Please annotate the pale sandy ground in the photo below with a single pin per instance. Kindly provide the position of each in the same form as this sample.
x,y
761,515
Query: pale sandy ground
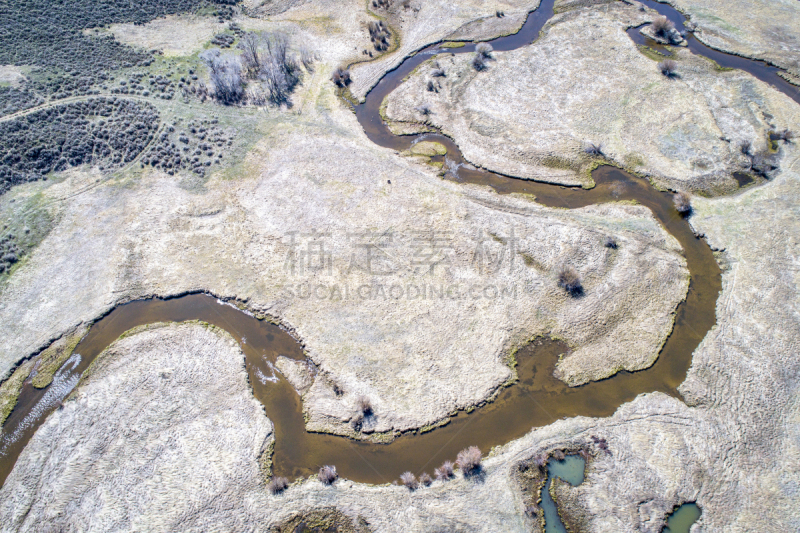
x,y
11,75
761,29
175,35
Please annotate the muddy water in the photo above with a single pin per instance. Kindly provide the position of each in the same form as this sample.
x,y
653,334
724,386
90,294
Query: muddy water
x,y
571,470
683,518
758,69
537,399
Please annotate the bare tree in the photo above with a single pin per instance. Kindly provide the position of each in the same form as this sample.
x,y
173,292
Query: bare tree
x,y
250,45
225,73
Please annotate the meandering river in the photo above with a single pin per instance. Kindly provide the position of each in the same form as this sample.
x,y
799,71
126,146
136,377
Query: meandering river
x,y
537,399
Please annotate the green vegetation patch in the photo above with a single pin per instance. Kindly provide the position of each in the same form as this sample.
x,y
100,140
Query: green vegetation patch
x,y
428,148
453,45
51,359
11,388
650,53
25,220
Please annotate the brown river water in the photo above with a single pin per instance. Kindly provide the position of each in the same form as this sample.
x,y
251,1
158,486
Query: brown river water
x,y
535,400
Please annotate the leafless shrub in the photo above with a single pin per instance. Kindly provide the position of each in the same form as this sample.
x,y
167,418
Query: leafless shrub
x,y
745,147
532,510
256,96
432,87
381,4
610,242
663,27
284,63
592,149
409,480
225,73
341,77
267,59
250,45
357,421
444,472
364,405
484,49
307,57
683,202
425,479
570,280
584,453
559,455
278,485
327,475
668,67
438,72
499,14
469,460
762,163
479,62
424,110
600,442
541,462
786,136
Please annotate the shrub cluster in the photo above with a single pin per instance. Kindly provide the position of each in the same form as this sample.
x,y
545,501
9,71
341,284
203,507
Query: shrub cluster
x,y
106,131
195,149
10,252
762,163
223,40
379,34
341,77
156,86
13,100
